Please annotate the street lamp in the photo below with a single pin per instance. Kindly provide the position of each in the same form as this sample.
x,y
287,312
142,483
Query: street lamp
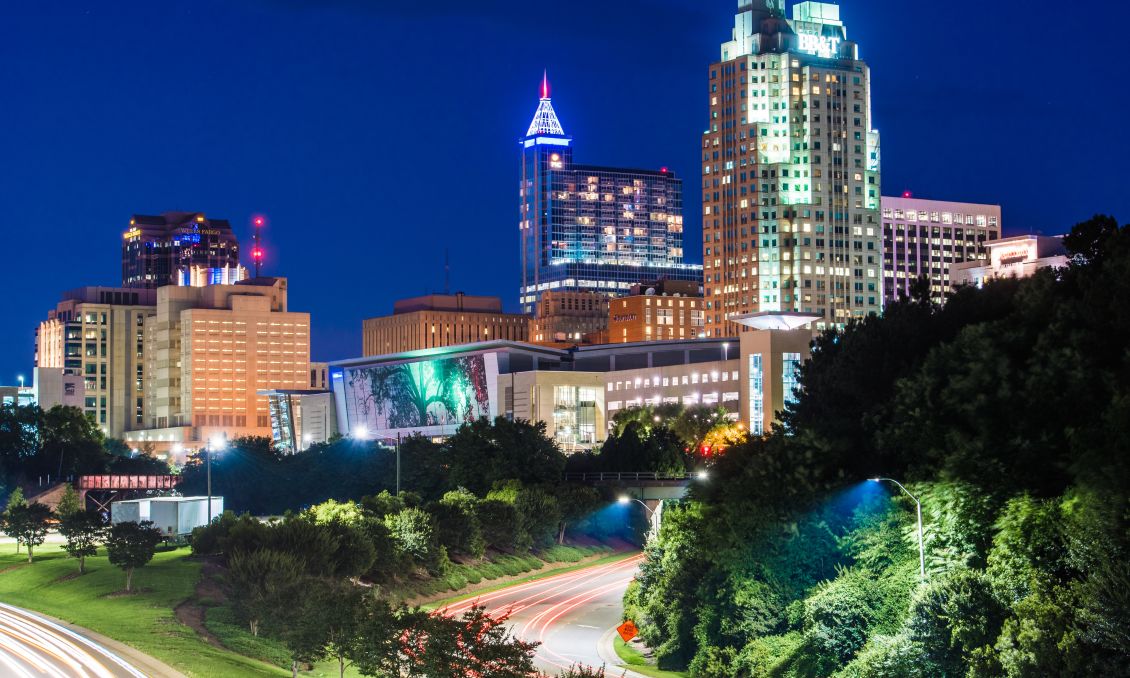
x,y
702,475
361,432
918,504
625,499
214,444
21,378
725,350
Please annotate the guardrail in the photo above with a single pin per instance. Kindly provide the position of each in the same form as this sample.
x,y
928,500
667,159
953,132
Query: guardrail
x,y
610,476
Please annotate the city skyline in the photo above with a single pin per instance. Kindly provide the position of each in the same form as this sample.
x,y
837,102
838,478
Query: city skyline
x,y
259,137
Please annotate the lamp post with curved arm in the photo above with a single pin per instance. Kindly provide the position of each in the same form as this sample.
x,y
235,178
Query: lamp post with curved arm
x,y
626,499
918,504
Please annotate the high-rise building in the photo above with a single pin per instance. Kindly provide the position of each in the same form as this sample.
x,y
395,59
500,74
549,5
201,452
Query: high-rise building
x,y
790,171
926,237
564,317
210,351
97,333
663,310
179,248
436,320
591,228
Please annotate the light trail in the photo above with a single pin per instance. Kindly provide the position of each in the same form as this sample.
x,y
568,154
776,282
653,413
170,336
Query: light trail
x,y
31,646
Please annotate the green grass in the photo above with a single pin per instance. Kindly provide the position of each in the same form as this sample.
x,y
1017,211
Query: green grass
x,y
634,660
143,621
534,577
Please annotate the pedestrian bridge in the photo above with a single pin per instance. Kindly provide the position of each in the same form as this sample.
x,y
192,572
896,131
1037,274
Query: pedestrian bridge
x,y
650,488
643,485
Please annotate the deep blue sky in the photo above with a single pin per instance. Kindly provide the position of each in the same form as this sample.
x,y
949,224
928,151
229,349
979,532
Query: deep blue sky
x,y
375,134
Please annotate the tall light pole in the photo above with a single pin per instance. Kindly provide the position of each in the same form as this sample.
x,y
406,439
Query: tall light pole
x,y
918,504
215,443
21,378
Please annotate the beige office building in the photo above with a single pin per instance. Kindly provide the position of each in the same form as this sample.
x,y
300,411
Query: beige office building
x,y
927,237
97,333
565,317
657,311
438,320
210,351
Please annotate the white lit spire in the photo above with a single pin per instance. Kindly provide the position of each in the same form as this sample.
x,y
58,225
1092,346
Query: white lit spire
x,y
545,119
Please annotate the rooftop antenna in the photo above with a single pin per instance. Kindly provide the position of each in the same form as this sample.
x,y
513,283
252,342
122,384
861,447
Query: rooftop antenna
x,y
257,246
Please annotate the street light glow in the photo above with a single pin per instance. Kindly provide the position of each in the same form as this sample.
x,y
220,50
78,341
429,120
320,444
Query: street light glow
x,y
360,432
217,443
623,499
702,475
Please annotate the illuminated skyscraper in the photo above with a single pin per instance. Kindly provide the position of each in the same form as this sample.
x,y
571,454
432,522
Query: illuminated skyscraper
x,y
177,248
593,228
790,171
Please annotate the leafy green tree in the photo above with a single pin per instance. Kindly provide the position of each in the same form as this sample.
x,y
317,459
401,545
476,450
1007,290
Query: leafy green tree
x,y
71,444
131,545
575,503
457,523
379,648
28,524
261,585
538,513
499,520
15,499
84,531
483,452
413,532
68,503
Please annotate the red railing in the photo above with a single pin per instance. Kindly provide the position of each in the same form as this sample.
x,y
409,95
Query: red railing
x,y
127,482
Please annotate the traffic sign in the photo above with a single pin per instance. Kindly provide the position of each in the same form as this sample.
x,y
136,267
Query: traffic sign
x,y
627,630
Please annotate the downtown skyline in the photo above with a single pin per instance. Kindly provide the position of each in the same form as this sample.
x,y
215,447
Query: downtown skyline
x,y
342,148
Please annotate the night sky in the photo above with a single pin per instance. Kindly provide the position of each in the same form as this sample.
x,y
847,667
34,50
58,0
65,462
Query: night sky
x,y
376,134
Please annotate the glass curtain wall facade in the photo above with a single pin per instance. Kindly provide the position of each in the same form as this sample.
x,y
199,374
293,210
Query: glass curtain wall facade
x,y
585,227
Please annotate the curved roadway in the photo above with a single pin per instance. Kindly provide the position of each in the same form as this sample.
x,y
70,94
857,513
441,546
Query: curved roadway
x,y
568,614
31,646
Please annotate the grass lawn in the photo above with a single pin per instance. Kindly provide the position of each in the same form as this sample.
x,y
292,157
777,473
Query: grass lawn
x,y
634,660
144,620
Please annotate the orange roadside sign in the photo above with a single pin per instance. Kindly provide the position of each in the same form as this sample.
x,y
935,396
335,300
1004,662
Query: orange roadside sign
x,y
627,630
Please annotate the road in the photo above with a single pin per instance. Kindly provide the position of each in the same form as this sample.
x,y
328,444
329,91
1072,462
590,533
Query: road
x,y
33,646
567,613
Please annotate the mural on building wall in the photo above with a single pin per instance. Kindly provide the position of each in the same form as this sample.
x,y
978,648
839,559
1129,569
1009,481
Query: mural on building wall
x,y
441,392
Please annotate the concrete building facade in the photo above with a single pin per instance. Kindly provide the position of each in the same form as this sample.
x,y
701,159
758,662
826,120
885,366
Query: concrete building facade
x,y
662,310
210,350
927,237
438,320
575,391
790,171
564,317
1016,257
98,334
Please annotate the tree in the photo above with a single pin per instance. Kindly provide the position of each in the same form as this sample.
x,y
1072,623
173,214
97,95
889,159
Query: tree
x,y
483,452
68,503
27,523
83,530
15,499
474,644
378,649
131,545
261,585
329,621
457,524
575,502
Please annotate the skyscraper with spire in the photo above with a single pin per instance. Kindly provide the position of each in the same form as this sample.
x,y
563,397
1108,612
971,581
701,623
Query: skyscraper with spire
x,y
790,170
585,227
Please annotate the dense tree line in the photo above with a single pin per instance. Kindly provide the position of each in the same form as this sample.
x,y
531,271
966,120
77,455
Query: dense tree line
x,y
1007,413
59,443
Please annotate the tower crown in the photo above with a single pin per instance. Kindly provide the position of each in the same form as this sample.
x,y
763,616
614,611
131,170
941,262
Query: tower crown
x,y
545,120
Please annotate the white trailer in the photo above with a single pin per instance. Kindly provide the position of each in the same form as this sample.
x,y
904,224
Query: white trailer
x,y
129,510
173,516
